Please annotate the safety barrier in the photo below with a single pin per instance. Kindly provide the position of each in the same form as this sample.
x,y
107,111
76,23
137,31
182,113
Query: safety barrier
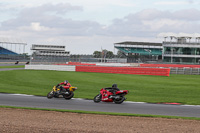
x,y
125,70
50,67
169,65
78,64
113,64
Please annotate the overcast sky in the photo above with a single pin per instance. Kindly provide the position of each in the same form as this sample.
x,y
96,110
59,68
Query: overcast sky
x,y
84,26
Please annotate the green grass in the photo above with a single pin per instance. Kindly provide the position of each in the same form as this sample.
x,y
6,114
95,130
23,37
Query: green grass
x,y
104,113
20,66
183,89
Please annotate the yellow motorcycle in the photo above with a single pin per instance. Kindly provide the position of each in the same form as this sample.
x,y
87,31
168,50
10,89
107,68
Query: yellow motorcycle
x,y
67,94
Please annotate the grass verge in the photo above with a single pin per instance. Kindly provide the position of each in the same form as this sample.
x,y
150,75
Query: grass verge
x,y
104,113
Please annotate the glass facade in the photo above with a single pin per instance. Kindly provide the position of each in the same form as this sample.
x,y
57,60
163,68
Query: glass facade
x,y
181,53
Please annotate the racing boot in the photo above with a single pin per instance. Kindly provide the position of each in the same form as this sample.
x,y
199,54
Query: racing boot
x,y
61,89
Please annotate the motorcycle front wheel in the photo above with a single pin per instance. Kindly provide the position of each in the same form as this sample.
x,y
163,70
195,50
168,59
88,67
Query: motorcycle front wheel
x,y
97,98
50,95
68,96
119,100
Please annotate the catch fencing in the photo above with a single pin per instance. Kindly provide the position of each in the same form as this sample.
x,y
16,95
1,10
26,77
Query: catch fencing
x,y
186,71
77,64
170,65
177,68
51,59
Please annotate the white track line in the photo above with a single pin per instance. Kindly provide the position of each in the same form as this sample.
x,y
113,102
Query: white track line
x,y
20,95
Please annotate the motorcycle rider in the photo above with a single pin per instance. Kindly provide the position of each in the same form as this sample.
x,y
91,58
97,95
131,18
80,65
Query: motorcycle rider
x,y
114,89
65,86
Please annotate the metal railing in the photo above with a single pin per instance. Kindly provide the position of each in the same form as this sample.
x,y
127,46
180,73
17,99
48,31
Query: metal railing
x,y
186,71
48,59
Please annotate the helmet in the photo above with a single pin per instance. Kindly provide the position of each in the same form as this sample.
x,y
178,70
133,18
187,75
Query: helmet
x,y
114,86
65,82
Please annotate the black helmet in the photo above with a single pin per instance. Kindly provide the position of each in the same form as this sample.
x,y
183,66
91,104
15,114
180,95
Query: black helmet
x,y
65,82
114,86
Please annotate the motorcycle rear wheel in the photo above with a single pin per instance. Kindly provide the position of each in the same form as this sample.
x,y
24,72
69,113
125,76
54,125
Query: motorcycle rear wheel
x,y
50,95
97,98
119,100
68,96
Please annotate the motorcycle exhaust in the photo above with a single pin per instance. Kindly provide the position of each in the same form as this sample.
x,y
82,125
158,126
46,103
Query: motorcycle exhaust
x,y
115,97
111,97
66,92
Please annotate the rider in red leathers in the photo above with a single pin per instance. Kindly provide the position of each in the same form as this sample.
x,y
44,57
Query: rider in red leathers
x,y
65,86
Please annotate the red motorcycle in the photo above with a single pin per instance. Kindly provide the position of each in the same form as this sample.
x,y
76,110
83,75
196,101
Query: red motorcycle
x,y
106,95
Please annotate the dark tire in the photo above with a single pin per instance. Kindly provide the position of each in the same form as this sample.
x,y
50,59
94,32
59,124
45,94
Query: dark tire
x,y
97,98
119,100
50,95
68,96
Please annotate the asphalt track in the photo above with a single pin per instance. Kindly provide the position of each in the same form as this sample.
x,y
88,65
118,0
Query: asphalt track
x,y
11,64
88,105
8,69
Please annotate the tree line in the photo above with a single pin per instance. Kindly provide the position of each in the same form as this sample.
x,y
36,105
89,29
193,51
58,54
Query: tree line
x,y
108,54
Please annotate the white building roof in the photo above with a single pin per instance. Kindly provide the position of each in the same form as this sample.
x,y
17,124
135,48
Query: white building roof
x,y
12,41
179,35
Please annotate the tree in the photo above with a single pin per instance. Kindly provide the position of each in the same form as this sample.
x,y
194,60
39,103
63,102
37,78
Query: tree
x,y
97,54
120,54
109,54
103,54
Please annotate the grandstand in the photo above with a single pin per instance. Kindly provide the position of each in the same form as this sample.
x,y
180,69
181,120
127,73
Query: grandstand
x,y
12,49
4,51
49,50
140,51
48,54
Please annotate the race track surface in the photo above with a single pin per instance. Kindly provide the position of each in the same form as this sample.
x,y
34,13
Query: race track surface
x,y
10,64
7,69
89,105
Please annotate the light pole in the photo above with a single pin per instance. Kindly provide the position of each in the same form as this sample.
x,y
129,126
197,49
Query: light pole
x,y
172,54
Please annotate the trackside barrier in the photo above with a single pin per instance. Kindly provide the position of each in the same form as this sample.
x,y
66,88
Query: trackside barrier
x,y
77,64
169,65
125,70
50,67
113,64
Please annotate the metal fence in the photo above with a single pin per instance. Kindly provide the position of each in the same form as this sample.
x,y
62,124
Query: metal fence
x,y
48,59
186,71
14,57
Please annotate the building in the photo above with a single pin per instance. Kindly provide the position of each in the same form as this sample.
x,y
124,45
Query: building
x,y
48,54
140,51
49,50
178,50
184,50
